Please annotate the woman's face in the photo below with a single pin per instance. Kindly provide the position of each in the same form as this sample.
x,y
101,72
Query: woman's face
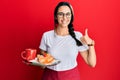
x,y
64,16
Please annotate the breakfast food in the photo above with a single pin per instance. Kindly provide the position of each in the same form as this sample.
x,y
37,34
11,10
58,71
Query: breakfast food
x,y
47,59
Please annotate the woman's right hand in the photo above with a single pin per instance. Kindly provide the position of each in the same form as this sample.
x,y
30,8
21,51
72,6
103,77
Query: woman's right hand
x,y
26,62
30,63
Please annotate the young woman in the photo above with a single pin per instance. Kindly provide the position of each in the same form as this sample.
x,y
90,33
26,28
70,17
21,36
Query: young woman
x,y
64,43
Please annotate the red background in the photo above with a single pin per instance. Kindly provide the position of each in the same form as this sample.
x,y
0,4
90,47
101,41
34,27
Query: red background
x,y
22,23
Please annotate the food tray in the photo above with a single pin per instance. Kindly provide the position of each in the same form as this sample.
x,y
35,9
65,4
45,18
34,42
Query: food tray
x,y
35,62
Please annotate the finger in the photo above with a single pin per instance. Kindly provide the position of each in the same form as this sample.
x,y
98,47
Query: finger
x,y
86,32
82,39
26,62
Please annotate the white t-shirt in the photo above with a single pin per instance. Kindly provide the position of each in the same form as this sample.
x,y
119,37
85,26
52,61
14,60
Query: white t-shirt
x,y
63,48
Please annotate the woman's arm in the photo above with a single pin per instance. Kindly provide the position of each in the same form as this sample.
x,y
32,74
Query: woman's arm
x,y
89,56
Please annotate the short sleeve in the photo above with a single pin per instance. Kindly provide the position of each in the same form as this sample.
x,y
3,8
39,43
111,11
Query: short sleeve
x,y
43,45
83,47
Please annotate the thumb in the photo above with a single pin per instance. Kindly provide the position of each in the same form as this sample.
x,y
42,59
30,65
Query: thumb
x,y
86,32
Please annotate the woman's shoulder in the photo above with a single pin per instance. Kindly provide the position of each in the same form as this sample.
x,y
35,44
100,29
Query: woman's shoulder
x,y
78,33
50,32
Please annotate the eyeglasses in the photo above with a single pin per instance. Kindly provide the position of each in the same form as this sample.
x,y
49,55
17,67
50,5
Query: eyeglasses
x,y
61,14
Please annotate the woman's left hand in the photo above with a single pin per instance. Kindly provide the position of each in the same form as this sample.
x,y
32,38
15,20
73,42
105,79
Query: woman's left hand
x,y
86,39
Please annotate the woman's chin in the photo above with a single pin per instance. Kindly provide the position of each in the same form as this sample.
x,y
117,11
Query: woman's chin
x,y
64,25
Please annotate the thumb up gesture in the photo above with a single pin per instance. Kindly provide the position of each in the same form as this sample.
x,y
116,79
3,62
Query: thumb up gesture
x,y
86,39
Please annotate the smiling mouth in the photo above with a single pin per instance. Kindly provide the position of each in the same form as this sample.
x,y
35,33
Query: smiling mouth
x,y
64,22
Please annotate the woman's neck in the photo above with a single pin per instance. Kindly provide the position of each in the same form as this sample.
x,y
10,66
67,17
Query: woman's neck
x,y
62,31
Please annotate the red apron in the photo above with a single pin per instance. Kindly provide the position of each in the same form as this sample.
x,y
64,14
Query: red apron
x,y
72,74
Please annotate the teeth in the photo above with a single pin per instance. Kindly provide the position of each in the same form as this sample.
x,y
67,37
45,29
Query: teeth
x,y
64,21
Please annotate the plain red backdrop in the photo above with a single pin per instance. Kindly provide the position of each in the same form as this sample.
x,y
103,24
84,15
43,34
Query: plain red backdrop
x,y
24,21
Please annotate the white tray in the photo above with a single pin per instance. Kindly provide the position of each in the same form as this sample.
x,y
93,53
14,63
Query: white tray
x,y
35,62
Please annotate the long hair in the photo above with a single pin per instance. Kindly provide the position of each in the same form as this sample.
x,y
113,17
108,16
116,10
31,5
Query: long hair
x,y
70,26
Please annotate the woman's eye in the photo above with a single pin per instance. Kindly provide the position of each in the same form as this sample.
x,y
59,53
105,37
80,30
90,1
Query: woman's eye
x,y
60,14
